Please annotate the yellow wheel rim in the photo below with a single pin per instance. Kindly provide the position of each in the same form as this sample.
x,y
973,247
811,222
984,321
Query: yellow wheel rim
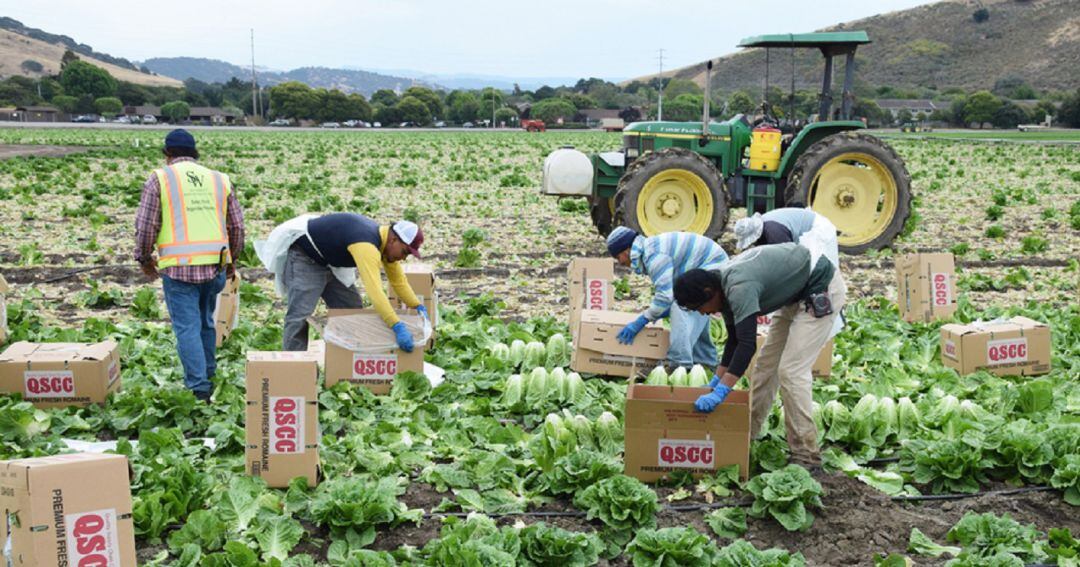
x,y
858,194
674,200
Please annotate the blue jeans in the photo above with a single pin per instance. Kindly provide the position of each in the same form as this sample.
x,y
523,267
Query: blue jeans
x,y
191,308
690,340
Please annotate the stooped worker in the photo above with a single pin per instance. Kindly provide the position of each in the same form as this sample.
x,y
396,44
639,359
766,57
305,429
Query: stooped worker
x,y
316,257
190,214
804,292
789,224
664,257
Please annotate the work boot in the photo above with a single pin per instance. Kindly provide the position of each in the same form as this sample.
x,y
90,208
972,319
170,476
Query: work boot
x,y
202,396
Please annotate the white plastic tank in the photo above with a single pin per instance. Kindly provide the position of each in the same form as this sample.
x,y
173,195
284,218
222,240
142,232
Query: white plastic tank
x,y
567,172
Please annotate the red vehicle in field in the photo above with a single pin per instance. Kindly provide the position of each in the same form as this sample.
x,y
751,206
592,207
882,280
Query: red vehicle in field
x,y
533,125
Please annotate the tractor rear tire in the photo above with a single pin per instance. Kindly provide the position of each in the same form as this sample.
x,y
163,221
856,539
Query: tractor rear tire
x,y
872,162
600,209
672,179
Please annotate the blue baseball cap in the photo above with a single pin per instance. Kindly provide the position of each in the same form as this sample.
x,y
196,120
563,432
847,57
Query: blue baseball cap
x,y
180,138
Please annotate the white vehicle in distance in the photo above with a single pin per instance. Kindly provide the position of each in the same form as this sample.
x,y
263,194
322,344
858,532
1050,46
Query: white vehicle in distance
x,y
331,125
149,119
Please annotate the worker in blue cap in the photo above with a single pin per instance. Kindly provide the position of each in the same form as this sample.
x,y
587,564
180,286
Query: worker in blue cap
x,y
664,257
190,217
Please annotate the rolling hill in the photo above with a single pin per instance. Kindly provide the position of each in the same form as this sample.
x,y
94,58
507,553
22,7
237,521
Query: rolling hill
x,y
938,45
216,71
20,44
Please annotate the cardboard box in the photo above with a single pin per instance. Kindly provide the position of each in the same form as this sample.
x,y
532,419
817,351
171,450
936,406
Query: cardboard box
x,y
589,286
375,371
597,350
227,309
1017,347
421,278
61,374
665,434
4,289
282,422
926,286
822,367
72,509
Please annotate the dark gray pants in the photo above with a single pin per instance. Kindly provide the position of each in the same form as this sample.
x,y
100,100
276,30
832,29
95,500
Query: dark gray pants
x,y
305,282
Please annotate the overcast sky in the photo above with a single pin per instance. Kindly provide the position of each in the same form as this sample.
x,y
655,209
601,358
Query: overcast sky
x,y
576,38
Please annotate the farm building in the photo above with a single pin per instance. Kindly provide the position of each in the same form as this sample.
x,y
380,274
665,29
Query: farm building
x,y
894,105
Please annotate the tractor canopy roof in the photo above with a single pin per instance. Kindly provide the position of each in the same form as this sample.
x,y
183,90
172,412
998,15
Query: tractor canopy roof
x,y
833,43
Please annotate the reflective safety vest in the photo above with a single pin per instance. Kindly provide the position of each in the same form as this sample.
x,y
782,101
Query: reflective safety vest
x,y
193,201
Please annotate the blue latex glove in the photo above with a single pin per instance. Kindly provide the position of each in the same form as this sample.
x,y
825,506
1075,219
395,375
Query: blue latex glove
x,y
627,334
404,337
423,311
714,382
708,402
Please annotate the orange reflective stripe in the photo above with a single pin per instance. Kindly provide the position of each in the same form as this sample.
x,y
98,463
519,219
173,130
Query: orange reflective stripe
x,y
183,204
172,186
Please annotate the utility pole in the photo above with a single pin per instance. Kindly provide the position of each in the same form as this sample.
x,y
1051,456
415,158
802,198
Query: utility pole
x,y
660,91
255,98
493,107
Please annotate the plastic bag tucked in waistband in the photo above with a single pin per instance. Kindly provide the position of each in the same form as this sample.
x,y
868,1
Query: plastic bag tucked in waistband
x,y
366,332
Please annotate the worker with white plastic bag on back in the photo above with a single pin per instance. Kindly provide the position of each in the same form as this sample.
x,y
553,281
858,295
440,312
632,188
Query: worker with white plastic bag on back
x,y
805,297
315,257
664,257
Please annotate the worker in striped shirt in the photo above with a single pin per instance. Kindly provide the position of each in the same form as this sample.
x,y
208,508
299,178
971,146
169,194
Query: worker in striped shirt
x,y
664,257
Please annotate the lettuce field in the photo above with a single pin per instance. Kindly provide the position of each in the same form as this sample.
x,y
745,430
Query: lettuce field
x,y
514,459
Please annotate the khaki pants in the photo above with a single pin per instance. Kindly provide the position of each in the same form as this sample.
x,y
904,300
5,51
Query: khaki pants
x,y
794,341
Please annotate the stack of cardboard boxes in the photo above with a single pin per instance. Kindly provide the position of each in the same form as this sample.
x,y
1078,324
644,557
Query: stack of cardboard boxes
x,y
421,278
70,509
590,287
282,421
61,374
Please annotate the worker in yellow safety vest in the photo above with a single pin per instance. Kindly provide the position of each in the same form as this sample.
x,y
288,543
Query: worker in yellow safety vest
x,y
189,214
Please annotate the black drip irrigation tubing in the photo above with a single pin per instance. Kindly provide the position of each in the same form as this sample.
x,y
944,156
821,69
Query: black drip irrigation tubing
x,y
1005,492
579,514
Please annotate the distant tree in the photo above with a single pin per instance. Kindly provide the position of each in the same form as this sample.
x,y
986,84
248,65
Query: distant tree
x,y
740,103
543,93
676,87
868,109
108,106
464,108
505,115
413,110
903,116
1069,113
630,114
550,110
487,94
359,108
684,107
430,98
66,104
144,70
31,66
176,110
50,87
1013,87
980,107
384,97
19,91
957,111
332,106
386,115
67,58
81,78
1009,115
132,94
580,101
981,15
920,116
293,99
517,90
1042,109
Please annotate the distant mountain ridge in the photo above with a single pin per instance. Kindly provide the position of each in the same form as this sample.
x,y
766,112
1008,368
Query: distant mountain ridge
x,y
217,71
937,45
16,26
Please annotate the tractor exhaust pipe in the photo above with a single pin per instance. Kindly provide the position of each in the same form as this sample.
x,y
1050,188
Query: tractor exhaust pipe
x,y
708,96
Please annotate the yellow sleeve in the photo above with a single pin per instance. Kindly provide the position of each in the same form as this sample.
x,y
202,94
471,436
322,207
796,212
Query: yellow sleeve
x,y
396,276
368,259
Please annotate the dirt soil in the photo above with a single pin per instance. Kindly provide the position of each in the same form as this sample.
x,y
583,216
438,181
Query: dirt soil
x,y
8,151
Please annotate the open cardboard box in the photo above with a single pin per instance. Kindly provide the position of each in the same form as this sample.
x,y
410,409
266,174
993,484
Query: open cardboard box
x,y
72,509
664,433
373,370
589,286
55,375
597,349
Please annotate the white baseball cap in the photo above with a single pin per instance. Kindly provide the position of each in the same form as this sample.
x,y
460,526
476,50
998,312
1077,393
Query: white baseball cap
x,y
410,234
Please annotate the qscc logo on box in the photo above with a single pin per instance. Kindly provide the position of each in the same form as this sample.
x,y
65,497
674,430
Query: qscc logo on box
x,y
1007,350
950,349
942,290
286,425
686,453
374,366
48,384
598,295
92,539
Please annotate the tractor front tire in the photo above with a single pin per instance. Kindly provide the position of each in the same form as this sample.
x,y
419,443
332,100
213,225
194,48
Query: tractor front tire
x,y
859,183
672,190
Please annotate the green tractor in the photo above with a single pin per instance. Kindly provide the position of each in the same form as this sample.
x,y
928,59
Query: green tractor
x,y
684,176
